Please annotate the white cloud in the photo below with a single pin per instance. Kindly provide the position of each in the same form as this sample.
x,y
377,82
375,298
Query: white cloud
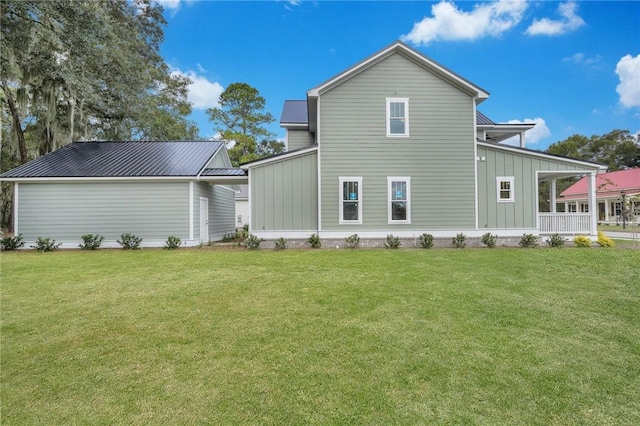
x,y
450,23
569,22
169,4
533,136
581,58
628,70
203,93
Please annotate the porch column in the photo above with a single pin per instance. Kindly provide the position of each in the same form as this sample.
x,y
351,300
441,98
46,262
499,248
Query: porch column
x,y
552,196
592,203
521,139
607,205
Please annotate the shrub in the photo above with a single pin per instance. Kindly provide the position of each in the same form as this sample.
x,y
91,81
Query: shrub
x,y
352,241
91,242
582,241
242,233
392,242
12,243
281,244
489,240
555,240
46,244
252,242
226,238
459,241
605,241
528,241
426,240
172,242
314,241
129,241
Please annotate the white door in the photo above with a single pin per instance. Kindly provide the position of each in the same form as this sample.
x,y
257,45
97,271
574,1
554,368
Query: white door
x,y
204,220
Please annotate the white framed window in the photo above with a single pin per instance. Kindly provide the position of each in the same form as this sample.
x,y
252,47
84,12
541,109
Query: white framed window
x,y
399,205
571,208
397,117
505,189
350,190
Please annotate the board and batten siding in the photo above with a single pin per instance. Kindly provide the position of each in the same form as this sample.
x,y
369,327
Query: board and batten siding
x,y
284,195
297,139
66,211
438,155
520,214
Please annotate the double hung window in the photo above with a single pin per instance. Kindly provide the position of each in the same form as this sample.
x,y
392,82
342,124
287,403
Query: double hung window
x,y
397,117
399,208
505,186
350,189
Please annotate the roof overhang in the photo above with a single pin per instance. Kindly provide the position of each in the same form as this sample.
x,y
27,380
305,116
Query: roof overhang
x,y
502,132
279,157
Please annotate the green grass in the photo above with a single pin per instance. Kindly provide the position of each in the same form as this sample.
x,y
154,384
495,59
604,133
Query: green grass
x,y
473,336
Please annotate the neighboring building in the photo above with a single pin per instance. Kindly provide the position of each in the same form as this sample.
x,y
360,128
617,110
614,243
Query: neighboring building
x,y
242,206
150,189
610,188
395,145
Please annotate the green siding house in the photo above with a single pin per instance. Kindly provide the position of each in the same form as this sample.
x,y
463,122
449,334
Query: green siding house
x,y
396,145
150,189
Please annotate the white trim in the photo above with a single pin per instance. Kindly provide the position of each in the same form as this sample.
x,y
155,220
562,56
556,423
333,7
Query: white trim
x,y
203,202
294,126
475,163
390,180
191,215
99,179
16,203
341,180
250,203
405,102
209,160
279,157
531,153
512,195
319,162
470,233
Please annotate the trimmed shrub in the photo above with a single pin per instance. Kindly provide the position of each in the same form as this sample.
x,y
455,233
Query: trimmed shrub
x,y
426,240
392,242
528,241
12,243
459,241
46,244
605,241
582,241
252,242
172,242
555,240
314,241
280,244
352,241
129,241
91,242
489,240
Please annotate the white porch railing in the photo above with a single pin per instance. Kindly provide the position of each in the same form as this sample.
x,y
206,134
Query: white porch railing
x,y
565,223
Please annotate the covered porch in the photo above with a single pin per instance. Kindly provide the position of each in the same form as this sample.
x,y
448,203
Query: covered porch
x,y
582,221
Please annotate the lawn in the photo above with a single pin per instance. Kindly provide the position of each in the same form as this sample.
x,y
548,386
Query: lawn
x,y
473,336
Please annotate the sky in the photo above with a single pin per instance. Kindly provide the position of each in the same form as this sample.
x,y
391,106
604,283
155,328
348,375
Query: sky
x,y
570,67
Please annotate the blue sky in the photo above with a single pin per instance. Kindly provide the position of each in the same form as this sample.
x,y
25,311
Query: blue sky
x,y
571,67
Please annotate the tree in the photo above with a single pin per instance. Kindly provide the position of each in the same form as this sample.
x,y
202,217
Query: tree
x,y
618,149
81,70
240,119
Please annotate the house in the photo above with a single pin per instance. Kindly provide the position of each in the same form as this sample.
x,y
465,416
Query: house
x,y
242,205
150,189
396,145
610,188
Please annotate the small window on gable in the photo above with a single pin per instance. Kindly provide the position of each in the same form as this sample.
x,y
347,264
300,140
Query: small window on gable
x,y
399,208
397,117
350,189
505,189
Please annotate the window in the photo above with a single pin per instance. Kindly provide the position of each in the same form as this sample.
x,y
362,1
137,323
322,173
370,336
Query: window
x,y
350,200
397,117
399,199
572,208
505,189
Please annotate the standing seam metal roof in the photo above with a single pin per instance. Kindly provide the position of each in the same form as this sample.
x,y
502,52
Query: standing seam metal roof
x,y
121,159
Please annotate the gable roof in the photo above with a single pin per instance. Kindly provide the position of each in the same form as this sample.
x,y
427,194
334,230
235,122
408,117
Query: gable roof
x,y
411,54
607,185
120,159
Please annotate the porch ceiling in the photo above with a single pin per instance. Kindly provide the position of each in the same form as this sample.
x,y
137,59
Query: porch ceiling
x,y
558,174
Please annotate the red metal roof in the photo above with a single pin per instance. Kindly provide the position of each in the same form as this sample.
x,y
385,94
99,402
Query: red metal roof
x,y
607,185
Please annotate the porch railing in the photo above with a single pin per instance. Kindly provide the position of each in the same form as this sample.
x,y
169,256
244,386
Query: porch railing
x,y
565,223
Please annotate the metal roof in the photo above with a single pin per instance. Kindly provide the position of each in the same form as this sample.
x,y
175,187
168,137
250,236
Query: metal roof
x,y
223,172
294,112
483,120
121,159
